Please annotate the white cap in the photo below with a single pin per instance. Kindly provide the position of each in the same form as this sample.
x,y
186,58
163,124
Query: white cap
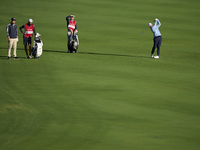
x,y
150,24
30,20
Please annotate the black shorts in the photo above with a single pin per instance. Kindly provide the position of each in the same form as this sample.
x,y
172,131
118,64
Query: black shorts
x,y
27,40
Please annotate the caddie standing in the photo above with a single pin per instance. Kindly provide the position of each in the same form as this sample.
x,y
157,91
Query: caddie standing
x,y
71,25
157,37
29,29
12,38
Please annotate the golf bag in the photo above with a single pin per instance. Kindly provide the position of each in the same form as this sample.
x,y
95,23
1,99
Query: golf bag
x,y
37,46
74,42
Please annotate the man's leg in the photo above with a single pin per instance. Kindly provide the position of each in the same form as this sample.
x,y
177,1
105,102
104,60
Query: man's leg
x,y
154,46
29,50
68,44
71,37
29,45
158,45
15,47
10,43
25,47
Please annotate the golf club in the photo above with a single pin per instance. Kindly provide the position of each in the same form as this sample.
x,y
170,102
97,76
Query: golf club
x,y
146,28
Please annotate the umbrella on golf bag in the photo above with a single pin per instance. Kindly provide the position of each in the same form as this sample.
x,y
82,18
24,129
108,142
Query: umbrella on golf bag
x,y
74,42
37,46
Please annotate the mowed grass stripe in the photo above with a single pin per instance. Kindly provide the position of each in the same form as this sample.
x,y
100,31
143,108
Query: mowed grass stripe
x,y
110,95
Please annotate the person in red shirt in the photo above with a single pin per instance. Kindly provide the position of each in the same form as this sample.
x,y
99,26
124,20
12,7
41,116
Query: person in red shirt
x,y
71,25
29,29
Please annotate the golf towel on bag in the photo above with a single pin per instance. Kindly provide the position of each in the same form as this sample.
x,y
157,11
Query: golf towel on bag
x,y
38,49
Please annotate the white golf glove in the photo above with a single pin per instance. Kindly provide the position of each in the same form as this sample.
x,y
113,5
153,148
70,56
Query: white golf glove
x,y
156,19
17,39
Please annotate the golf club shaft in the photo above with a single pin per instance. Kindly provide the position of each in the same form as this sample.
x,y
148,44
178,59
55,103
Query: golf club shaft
x,y
146,28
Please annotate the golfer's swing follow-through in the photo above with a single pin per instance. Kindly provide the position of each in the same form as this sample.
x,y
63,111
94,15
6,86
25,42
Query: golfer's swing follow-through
x,y
157,37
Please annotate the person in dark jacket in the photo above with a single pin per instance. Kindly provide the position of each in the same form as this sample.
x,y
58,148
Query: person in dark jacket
x,y
12,38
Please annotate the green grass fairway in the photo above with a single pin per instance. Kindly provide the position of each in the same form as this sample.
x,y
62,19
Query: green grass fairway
x,y
110,95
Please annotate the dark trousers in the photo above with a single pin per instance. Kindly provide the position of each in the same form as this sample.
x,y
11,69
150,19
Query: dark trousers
x,y
157,43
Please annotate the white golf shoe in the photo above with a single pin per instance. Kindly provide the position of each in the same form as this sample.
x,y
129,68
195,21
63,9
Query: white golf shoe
x,y
156,57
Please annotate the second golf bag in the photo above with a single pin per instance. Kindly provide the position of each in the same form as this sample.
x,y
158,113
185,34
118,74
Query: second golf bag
x,y
37,46
74,42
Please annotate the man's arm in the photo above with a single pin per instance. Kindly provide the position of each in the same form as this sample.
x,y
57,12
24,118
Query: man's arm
x,y
7,29
34,30
155,23
67,19
8,33
16,31
159,24
21,29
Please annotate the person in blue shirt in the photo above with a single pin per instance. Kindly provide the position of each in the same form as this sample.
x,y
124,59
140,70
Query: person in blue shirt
x,y
157,37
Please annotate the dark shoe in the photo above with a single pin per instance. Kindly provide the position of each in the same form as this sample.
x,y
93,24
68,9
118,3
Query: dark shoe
x,y
8,58
16,58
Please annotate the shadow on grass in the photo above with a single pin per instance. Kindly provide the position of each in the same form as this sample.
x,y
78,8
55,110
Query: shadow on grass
x,y
3,57
53,51
5,54
83,53
121,55
90,53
